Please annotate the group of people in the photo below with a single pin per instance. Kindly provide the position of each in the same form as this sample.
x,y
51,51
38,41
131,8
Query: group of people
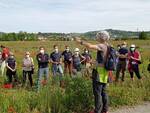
x,y
75,62
127,58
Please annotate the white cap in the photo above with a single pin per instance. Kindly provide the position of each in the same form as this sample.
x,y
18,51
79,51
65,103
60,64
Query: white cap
x,y
132,45
103,35
76,50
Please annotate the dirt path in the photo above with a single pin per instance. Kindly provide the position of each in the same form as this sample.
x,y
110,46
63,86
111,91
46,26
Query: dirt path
x,y
144,108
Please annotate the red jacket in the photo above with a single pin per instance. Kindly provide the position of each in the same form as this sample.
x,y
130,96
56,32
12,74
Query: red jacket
x,y
136,55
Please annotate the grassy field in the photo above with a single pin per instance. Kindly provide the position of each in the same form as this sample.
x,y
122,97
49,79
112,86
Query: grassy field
x,y
77,96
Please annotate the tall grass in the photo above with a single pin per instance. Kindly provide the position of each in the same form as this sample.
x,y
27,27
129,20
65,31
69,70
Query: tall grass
x,y
77,96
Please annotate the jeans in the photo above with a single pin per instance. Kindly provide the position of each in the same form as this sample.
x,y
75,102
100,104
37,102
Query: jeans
x,y
41,72
100,95
57,69
29,73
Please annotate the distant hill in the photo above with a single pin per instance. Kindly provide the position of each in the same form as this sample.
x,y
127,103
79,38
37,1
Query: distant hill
x,y
91,34
115,34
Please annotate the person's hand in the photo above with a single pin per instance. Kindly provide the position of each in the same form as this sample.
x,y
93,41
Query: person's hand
x,y
56,63
13,70
70,59
77,39
132,57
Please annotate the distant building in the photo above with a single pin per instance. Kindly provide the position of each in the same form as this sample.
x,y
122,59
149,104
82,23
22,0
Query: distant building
x,y
42,38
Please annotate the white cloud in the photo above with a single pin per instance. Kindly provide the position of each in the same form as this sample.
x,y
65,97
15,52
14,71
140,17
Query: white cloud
x,y
73,16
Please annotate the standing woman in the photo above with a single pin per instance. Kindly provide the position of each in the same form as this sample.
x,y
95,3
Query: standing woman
x,y
134,61
11,66
99,74
5,54
77,59
87,62
28,67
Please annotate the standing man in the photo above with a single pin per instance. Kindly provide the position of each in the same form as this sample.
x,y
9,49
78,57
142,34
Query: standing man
x,y
99,74
122,61
55,59
5,54
43,69
67,60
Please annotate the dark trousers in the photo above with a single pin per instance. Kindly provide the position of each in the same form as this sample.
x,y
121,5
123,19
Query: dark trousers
x,y
135,69
100,95
10,74
29,73
68,67
121,67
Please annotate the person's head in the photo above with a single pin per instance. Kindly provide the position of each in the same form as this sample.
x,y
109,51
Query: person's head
x,y
76,50
11,55
55,48
27,54
118,46
132,47
42,50
102,36
86,51
67,48
124,45
2,46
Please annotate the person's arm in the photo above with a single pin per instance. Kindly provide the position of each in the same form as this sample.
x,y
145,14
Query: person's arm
x,y
32,62
51,60
70,59
61,60
123,56
83,58
15,66
86,44
9,67
137,59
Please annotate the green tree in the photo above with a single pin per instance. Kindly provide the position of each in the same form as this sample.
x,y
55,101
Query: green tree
x,y
143,35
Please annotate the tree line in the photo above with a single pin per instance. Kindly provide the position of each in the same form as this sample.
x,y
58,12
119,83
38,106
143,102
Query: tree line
x,y
24,36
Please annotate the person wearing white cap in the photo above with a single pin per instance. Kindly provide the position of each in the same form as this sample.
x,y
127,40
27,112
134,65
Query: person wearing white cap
x,y
134,58
77,59
28,67
99,82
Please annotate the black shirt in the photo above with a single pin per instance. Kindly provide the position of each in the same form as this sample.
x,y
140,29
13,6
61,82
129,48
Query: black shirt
x,y
55,57
43,60
67,55
11,62
123,51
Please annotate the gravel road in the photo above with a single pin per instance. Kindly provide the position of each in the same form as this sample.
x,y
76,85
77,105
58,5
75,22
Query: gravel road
x,y
144,108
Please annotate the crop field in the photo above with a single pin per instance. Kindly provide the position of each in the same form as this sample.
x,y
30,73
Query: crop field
x,y
76,96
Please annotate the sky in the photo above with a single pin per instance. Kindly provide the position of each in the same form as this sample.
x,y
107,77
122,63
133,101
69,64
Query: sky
x,y
74,15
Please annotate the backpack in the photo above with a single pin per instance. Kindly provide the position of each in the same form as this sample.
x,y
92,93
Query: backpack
x,y
110,63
